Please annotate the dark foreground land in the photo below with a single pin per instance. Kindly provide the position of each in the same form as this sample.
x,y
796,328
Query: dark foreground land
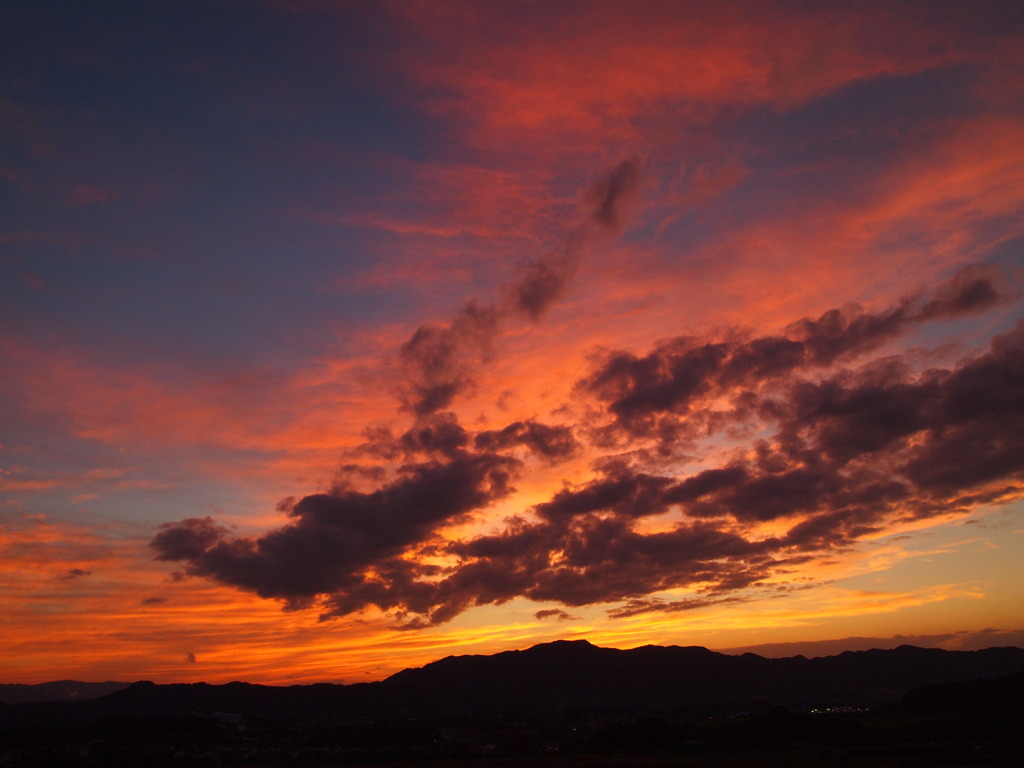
x,y
561,705
891,737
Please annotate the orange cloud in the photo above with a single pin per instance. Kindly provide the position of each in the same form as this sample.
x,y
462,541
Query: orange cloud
x,y
566,81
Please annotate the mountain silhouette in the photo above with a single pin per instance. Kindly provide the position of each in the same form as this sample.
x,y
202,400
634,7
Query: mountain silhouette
x,y
57,690
570,674
577,673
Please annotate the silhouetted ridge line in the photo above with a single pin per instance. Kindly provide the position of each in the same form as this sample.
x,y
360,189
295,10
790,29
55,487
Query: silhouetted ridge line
x,y
57,690
572,674
586,674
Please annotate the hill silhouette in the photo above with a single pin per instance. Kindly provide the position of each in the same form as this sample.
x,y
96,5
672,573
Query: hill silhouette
x,y
573,674
559,705
57,690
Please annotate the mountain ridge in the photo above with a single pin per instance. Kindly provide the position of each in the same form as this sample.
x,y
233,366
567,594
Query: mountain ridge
x,y
57,690
575,673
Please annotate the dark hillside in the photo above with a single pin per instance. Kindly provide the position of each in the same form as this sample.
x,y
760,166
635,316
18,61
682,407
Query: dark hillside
x,y
58,690
571,674
577,673
560,704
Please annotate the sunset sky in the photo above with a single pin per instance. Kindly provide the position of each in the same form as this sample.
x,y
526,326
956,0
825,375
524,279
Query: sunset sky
x,y
338,337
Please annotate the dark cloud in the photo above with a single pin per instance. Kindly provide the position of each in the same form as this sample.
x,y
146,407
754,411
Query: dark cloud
x,y
188,539
552,442
440,436
604,559
74,573
592,559
598,559
622,491
334,537
847,331
609,196
541,283
439,361
666,380
832,529
704,483
853,416
555,613
680,375
975,288
657,605
841,464
153,600
839,444
976,430
769,496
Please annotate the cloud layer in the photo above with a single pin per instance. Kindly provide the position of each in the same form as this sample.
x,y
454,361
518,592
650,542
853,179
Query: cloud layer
x,y
829,440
